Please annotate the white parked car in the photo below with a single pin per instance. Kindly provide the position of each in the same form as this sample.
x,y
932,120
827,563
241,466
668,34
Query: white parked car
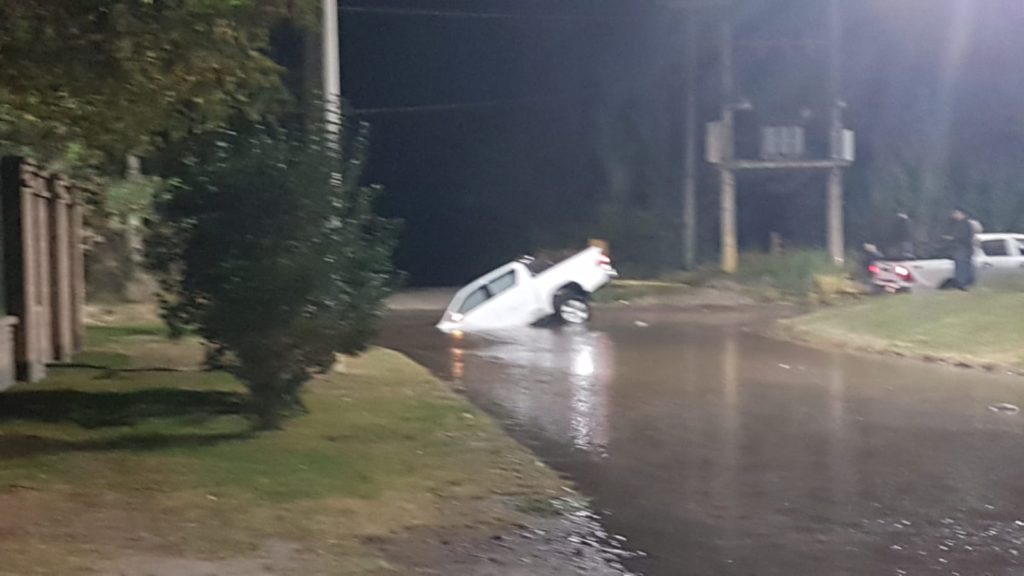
x,y
527,291
998,258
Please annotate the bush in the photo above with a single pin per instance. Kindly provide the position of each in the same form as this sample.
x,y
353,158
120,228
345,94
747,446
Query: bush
x,y
268,247
792,272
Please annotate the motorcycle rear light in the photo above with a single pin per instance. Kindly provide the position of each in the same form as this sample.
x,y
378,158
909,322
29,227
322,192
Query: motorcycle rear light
x,y
903,273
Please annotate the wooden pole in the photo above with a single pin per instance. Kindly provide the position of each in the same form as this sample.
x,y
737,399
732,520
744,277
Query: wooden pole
x,y
730,246
836,233
690,163
836,241
727,179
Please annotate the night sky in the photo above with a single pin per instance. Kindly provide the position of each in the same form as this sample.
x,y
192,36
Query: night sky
x,y
478,185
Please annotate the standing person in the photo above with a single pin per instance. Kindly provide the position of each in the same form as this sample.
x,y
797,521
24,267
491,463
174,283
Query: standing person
x,y
961,238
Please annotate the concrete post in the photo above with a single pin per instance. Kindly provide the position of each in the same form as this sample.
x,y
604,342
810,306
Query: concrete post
x,y
77,271
8,362
41,207
690,162
22,259
60,265
836,240
730,245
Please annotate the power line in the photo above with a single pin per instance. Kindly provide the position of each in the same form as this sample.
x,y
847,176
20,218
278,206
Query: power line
x,y
693,5
433,13
456,106
485,104
462,14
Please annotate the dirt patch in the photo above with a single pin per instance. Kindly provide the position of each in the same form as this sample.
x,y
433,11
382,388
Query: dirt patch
x,y
272,559
122,314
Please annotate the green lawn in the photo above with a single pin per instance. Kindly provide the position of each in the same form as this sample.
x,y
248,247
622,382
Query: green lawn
x,y
138,452
982,327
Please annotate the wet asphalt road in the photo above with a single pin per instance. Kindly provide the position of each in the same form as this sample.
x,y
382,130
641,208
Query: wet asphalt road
x,y
721,452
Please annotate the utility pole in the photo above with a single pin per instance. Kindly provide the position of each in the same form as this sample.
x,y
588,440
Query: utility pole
x,y
690,144
331,69
836,232
727,175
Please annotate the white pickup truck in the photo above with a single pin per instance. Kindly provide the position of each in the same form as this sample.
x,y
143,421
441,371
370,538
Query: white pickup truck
x,y
998,258
527,291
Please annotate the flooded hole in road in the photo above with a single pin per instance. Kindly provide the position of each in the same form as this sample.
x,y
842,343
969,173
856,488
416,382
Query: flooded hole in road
x,y
719,451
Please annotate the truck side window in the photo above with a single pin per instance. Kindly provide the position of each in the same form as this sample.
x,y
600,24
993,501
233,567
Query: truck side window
x,y
502,283
1020,247
475,298
994,248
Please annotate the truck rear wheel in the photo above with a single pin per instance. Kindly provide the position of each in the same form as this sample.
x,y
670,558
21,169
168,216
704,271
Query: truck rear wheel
x,y
572,308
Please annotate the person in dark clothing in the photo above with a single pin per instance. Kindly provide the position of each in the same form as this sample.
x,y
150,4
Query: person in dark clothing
x,y
961,239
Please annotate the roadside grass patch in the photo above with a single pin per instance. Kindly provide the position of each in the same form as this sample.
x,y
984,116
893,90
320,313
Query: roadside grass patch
x,y
123,457
982,327
796,274
98,337
793,273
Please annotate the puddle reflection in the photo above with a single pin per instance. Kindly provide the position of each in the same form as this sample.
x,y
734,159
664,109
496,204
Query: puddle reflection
x,y
555,380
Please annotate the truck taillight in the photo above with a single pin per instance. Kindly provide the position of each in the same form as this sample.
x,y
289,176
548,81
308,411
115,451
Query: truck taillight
x,y
874,269
604,261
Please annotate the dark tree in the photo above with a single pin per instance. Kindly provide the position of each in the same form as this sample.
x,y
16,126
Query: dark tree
x,y
268,247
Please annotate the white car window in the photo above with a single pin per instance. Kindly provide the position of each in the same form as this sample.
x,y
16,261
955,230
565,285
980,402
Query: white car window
x,y
1020,247
475,298
995,247
502,283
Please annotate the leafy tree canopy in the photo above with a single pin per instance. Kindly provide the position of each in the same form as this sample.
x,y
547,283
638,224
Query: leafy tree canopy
x,y
89,81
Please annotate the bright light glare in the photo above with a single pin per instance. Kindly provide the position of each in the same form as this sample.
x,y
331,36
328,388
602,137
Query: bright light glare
x,y
583,362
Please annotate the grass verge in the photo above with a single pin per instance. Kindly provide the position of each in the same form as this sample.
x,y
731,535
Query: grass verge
x,y
148,460
981,328
799,275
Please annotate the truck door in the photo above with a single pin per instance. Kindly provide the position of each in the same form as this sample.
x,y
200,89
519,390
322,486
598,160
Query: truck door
x,y
1018,244
1000,261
